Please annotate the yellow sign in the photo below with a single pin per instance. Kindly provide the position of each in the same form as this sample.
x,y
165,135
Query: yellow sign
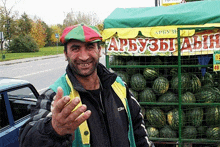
x,y
216,60
216,67
170,2
217,57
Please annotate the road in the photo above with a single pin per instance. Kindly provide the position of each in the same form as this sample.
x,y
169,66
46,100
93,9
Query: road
x,y
41,73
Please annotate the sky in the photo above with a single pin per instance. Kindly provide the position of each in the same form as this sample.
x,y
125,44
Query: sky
x,y
53,12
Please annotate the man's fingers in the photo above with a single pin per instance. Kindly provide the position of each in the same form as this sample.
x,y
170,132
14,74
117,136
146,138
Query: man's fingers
x,y
76,115
61,104
83,117
68,108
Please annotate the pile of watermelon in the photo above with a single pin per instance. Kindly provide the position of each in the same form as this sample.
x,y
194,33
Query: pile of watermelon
x,y
160,85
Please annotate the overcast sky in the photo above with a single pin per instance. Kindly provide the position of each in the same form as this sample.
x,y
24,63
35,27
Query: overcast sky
x,y
54,11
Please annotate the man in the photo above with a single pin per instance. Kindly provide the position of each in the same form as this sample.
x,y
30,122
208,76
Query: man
x,y
88,105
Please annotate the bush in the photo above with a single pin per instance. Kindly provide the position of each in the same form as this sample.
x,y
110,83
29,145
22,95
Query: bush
x,y
23,43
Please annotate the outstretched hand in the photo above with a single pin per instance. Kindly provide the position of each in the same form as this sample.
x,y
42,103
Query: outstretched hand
x,y
64,121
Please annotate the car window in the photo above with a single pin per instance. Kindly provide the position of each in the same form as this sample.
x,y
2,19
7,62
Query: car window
x,y
3,113
21,101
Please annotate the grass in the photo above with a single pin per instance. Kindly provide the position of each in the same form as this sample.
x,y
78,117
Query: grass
x,y
45,51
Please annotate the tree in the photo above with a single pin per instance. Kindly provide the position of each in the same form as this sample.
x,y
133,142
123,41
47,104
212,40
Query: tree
x,y
55,30
49,32
7,19
38,32
23,43
73,18
100,26
24,24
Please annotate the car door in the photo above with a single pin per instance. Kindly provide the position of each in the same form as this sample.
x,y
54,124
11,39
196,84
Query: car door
x,y
16,104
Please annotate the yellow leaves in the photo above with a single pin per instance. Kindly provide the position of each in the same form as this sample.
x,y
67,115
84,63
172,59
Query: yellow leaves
x,y
38,33
56,30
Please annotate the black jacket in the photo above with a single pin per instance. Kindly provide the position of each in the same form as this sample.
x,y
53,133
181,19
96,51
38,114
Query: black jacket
x,y
108,127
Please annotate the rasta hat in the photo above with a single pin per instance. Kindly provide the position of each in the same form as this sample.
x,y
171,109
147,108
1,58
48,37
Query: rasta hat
x,y
82,33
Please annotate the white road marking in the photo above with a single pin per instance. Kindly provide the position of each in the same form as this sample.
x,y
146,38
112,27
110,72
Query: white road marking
x,y
34,73
38,72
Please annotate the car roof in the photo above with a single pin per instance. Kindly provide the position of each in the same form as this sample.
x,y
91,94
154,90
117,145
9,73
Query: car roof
x,y
7,83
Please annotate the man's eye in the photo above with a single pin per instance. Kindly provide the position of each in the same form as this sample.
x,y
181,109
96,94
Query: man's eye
x,y
74,48
91,46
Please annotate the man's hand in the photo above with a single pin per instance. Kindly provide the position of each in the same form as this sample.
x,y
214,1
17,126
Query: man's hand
x,y
64,121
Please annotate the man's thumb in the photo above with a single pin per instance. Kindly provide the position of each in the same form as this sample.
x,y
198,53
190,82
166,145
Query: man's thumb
x,y
59,94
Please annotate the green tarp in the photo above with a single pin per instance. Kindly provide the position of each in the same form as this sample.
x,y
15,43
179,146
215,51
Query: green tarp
x,y
191,13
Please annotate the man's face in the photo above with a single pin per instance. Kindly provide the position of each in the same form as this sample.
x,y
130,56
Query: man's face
x,y
83,57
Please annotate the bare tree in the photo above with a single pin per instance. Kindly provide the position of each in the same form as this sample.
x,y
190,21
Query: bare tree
x,y
75,17
7,17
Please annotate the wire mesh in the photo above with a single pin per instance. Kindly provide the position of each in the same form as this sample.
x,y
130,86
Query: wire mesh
x,y
180,96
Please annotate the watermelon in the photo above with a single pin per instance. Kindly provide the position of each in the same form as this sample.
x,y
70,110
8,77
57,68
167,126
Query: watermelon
x,y
208,76
185,83
132,71
134,94
173,119
213,115
174,71
195,116
124,76
152,132
147,95
217,92
167,132
206,95
116,60
213,133
208,80
156,117
195,83
138,82
189,132
207,83
150,74
214,90
188,97
160,85
168,97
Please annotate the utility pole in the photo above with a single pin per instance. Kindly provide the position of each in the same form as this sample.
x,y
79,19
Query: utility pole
x,y
57,36
156,3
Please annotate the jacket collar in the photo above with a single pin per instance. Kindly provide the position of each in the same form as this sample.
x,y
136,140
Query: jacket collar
x,y
106,77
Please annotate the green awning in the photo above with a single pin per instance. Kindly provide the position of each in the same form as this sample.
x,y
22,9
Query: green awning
x,y
191,13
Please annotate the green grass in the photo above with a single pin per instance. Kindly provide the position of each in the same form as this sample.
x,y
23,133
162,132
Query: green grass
x,y
45,51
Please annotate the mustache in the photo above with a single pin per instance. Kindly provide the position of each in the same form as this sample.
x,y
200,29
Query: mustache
x,y
84,62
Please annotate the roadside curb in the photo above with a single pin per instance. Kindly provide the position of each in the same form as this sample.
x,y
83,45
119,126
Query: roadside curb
x,y
29,59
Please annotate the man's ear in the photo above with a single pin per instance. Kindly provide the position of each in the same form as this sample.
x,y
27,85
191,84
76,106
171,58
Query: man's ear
x,y
100,51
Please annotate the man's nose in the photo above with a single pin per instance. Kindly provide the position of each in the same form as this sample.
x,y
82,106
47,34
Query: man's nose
x,y
83,54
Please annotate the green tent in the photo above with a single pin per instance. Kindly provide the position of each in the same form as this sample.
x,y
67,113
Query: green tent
x,y
191,13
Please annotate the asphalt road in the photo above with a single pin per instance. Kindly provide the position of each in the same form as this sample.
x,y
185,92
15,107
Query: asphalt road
x,y
41,72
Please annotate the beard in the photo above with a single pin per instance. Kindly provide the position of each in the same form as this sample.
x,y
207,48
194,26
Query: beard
x,y
79,72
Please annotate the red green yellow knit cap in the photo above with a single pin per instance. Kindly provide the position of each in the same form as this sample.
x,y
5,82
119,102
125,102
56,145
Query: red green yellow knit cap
x,y
81,32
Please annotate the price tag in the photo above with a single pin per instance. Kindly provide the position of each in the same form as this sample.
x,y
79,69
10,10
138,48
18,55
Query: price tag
x,y
216,67
217,57
216,61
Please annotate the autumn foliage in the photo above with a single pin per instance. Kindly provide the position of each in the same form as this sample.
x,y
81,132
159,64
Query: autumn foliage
x,y
38,32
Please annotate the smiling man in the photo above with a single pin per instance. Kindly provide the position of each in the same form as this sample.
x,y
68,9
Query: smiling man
x,y
88,105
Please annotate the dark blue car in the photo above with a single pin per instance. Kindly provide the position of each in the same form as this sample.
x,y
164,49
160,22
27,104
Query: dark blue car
x,y
17,97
